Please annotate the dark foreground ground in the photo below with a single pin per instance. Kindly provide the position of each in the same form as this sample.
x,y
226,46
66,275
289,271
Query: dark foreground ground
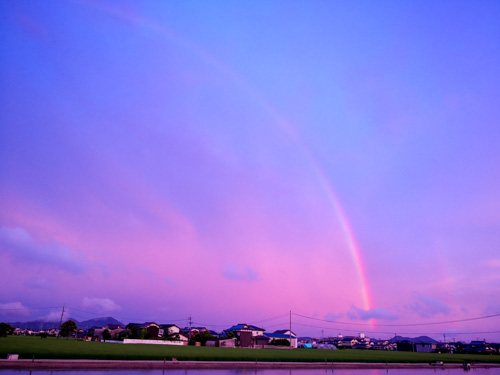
x,y
191,365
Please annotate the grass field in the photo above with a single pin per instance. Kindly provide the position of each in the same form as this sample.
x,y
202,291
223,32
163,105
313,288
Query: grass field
x,y
52,348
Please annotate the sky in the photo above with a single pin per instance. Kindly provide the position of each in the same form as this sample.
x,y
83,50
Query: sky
x,y
238,162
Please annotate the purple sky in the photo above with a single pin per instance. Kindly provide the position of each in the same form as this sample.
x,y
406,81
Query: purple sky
x,y
238,160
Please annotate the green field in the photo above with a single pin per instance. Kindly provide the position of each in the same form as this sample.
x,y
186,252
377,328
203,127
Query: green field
x,y
52,348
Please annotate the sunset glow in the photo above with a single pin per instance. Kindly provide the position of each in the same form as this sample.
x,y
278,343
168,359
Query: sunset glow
x,y
238,161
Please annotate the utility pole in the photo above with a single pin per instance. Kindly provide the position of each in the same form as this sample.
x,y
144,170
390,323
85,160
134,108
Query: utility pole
x,y
190,321
60,322
290,330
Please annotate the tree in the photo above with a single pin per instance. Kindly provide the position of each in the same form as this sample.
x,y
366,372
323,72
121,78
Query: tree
x,y
6,329
201,337
145,335
132,331
123,335
67,328
106,335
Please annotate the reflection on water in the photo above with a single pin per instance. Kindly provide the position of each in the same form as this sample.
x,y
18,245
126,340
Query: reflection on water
x,y
432,371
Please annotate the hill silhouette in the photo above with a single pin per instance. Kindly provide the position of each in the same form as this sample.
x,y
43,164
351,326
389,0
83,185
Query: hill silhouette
x,y
86,324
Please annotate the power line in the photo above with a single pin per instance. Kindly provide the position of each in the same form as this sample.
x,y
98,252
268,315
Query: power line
x,y
281,316
401,325
277,325
269,319
392,333
210,325
29,308
252,322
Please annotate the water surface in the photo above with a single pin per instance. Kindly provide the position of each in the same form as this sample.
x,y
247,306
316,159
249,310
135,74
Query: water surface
x,y
432,371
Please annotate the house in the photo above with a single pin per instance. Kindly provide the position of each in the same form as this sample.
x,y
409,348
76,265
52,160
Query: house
x,y
80,335
495,347
261,341
180,337
93,335
443,348
256,331
245,334
135,330
285,332
222,343
153,330
420,347
169,330
283,335
192,331
381,345
424,347
346,342
114,330
96,333
478,347
213,333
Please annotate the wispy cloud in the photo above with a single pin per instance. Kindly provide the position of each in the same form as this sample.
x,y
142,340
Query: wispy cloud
x,y
13,308
170,281
492,309
427,307
55,316
333,316
356,313
39,284
100,305
233,272
21,246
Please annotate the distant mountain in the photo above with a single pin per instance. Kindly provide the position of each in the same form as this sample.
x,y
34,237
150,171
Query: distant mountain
x,y
35,325
38,325
418,340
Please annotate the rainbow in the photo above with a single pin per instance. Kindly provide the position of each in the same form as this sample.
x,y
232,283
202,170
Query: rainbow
x,y
346,227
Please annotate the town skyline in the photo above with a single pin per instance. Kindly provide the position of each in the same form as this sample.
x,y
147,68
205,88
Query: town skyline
x,y
329,328
238,161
